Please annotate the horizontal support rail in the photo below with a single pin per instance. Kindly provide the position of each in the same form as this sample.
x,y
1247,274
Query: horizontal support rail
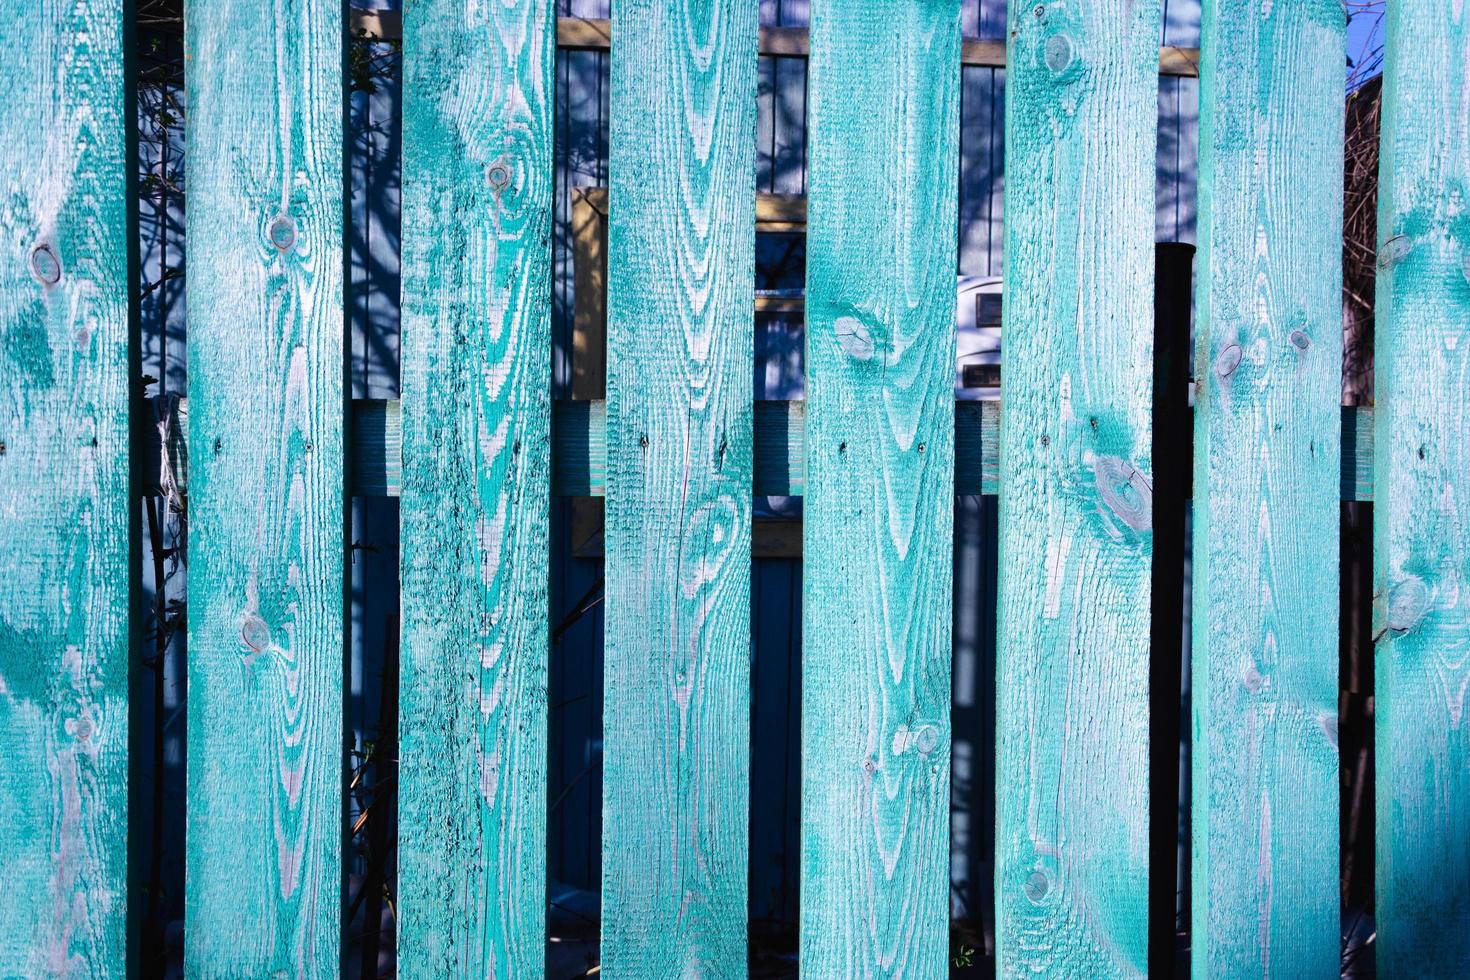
x,y
590,34
579,448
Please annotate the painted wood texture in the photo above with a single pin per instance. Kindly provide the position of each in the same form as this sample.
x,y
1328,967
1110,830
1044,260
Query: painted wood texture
x,y
266,526
879,506
1267,434
476,474
64,567
681,242
1075,493
1421,521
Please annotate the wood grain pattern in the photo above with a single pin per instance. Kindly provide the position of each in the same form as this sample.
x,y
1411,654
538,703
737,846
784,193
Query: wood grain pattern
x,y
64,566
681,243
1421,521
476,425
267,533
1076,493
879,507
1267,473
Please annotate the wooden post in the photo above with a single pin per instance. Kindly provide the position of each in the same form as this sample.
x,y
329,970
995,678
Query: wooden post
x,y
267,527
676,717
65,369
1267,472
1076,513
476,417
879,509
1421,521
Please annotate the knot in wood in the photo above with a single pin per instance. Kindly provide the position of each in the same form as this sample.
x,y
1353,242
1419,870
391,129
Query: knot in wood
x,y
1125,491
45,266
854,338
1393,251
1058,53
1408,601
282,233
255,634
1228,360
80,728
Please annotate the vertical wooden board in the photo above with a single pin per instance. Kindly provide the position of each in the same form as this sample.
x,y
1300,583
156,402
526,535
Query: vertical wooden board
x,y
64,365
676,705
1076,491
879,509
266,516
478,102
1268,428
676,715
1421,523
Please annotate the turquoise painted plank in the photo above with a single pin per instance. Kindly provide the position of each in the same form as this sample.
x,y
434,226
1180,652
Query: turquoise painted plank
x,y
1268,425
879,506
267,535
477,190
64,550
676,716
1076,526
1421,519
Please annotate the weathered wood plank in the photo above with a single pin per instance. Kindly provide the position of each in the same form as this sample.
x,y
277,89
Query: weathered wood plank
x,y
64,498
1421,520
478,98
266,517
879,512
1267,472
681,244
1075,503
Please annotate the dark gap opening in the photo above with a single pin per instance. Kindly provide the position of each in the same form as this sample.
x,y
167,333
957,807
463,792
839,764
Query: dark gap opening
x,y
1173,454
1355,738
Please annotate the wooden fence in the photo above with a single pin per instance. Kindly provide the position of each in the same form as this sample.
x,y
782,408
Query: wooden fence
x,y
476,448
